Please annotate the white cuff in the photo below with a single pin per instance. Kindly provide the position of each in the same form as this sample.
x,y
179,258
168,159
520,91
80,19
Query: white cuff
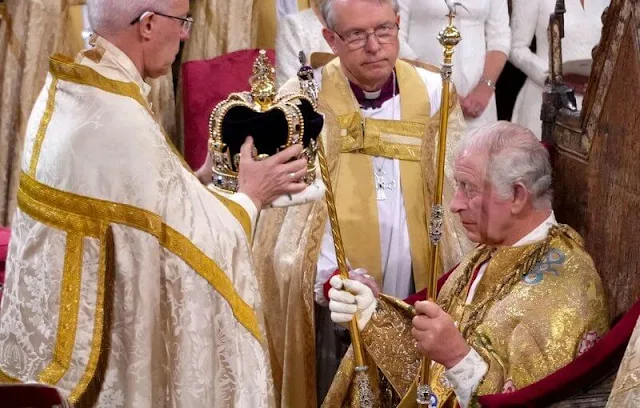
x,y
465,376
249,207
313,192
322,276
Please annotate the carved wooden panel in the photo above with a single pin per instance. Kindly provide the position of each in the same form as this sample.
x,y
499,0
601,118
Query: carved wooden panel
x,y
597,158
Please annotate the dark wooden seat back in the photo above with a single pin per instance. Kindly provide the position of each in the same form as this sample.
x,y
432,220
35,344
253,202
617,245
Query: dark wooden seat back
x,y
596,154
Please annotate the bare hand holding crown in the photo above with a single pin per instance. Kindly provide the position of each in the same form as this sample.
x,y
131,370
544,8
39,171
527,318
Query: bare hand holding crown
x,y
265,180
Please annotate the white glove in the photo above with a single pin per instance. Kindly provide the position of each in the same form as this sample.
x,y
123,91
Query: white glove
x,y
313,192
348,298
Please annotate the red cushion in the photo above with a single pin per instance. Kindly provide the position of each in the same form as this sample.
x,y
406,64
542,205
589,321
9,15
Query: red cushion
x,y
5,234
422,295
205,84
584,370
30,395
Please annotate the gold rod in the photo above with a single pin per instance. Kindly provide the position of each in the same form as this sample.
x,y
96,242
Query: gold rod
x,y
361,385
339,247
449,37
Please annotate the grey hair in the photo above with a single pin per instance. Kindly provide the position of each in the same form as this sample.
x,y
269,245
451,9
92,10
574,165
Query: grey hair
x,y
515,155
109,16
329,15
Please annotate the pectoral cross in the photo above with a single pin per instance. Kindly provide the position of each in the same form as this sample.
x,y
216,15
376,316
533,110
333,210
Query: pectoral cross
x,y
382,185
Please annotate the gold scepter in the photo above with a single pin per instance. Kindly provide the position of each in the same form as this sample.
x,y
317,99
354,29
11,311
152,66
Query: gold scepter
x,y
449,37
363,388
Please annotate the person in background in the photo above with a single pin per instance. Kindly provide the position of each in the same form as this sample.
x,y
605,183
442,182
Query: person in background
x,y
302,31
529,18
478,59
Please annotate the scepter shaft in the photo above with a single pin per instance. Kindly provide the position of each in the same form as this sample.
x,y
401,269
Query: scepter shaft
x,y
362,384
362,380
339,247
449,37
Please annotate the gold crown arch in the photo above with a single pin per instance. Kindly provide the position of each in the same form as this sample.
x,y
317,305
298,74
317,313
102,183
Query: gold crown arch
x,y
261,99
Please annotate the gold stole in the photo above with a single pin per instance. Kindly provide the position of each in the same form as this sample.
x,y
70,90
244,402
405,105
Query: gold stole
x,y
361,139
458,310
263,32
445,397
503,261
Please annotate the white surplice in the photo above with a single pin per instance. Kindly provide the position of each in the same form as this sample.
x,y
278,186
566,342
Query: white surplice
x,y
392,217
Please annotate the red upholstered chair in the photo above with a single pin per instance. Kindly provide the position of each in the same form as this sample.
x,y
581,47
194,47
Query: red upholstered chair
x,y
5,234
204,84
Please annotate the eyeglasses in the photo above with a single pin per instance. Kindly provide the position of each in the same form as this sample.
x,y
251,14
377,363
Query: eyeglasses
x,y
187,22
357,39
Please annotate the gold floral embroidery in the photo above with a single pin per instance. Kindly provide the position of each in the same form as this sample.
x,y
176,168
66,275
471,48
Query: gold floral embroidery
x,y
64,69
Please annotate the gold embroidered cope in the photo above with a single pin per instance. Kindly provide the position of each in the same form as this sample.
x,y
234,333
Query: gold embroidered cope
x,y
530,315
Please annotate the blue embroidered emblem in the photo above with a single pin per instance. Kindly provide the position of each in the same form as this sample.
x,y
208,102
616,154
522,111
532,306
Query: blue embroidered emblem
x,y
548,264
434,401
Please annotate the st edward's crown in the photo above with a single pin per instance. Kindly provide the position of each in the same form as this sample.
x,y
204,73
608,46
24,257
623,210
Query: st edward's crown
x,y
274,122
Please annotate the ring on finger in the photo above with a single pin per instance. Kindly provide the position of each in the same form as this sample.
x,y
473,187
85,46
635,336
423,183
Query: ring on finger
x,y
292,176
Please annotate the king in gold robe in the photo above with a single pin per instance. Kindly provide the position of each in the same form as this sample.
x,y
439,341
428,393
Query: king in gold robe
x,y
128,282
538,305
293,247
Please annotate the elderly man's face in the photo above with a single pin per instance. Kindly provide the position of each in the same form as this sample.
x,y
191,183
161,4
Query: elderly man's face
x,y
371,62
164,44
485,215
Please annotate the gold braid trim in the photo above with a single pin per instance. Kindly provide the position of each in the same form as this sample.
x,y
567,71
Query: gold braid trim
x,y
481,255
408,310
63,68
88,388
77,227
68,314
42,129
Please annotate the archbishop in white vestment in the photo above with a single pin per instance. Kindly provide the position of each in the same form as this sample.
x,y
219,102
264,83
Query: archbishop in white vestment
x,y
129,284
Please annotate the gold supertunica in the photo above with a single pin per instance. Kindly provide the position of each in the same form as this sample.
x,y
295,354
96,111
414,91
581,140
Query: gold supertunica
x,y
274,122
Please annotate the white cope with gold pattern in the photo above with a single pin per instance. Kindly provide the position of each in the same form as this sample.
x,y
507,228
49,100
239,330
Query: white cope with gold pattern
x,y
110,215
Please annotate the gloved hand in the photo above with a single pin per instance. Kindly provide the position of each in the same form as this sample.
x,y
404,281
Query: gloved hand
x,y
362,276
348,298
